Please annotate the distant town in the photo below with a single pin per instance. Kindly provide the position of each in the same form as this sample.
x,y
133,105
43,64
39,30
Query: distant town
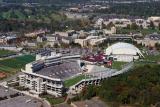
x,y
80,54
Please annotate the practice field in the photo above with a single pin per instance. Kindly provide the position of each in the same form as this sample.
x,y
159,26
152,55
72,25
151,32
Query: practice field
x,y
14,64
5,52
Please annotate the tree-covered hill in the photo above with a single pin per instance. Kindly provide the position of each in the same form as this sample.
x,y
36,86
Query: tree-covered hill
x,y
43,1
140,87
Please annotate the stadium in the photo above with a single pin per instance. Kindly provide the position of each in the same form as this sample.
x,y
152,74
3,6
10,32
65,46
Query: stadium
x,y
48,73
54,73
123,52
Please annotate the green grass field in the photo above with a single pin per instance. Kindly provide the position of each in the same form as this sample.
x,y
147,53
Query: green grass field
x,y
5,52
6,69
52,100
14,64
118,65
73,81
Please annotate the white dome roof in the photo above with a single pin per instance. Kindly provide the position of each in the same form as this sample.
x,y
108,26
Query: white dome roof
x,y
121,48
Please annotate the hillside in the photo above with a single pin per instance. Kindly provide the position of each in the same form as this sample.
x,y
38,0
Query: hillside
x,y
140,87
42,1
67,1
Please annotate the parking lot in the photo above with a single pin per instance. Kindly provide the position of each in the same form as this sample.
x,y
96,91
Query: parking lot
x,y
5,92
10,98
20,101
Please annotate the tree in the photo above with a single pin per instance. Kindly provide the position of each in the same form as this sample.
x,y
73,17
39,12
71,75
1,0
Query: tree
x,y
110,25
157,45
134,26
88,92
56,45
152,25
159,26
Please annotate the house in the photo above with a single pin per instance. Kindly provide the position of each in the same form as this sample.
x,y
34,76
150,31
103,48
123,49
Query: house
x,y
65,34
41,38
35,33
151,40
82,42
120,22
52,39
99,23
2,40
142,23
96,41
90,41
108,32
155,20
67,40
8,38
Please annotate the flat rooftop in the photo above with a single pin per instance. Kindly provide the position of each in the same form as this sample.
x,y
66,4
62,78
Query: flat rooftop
x,y
61,71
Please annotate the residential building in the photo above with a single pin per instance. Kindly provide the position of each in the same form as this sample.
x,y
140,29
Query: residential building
x,y
155,20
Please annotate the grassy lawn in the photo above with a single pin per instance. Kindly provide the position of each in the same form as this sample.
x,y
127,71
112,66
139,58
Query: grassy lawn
x,y
73,81
52,100
14,64
118,65
5,52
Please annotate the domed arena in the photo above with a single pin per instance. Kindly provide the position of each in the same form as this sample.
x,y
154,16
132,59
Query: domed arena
x,y
123,52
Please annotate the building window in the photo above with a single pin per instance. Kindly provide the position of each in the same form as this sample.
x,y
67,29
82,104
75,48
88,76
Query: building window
x,y
28,81
48,87
53,89
44,80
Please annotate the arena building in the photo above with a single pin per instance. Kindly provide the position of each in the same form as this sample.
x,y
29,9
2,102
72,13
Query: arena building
x,y
123,52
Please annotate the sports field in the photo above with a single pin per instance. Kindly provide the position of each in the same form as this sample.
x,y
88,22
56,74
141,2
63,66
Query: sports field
x,y
5,52
73,81
14,64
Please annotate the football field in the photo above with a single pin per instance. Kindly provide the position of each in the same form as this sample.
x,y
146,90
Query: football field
x,y
14,64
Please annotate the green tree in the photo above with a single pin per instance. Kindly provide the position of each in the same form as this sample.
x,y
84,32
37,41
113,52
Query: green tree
x,y
159,26
134,26
110,25
152,25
